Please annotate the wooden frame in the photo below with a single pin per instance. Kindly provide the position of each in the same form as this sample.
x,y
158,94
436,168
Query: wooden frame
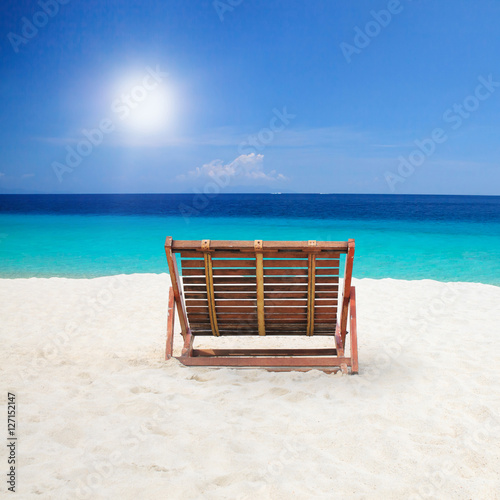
x,y
278,274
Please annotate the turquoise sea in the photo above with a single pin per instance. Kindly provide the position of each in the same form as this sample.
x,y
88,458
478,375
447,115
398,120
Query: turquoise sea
x,y
445,238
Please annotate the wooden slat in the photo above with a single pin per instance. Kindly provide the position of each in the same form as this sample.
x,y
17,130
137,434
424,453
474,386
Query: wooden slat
x,y
210,294
196,303
235,303
310,294
193,272
284,362
242,263
299,295
327,263
283,319
219,280
265,352
286,316
302,327
232,306
198,310
249,253
327,254
339,246
222,288
326,279
251,272
198,254
325,302
324,318
285,295
193,263
326,295
222,309
219,263
330,271
273,328
285,279
284,309
260,293
194,295
196,318
234,263
273,325
327,287
285,263
285,302
285,272
220,272
269,288
275,319
235,272
228,280
324,298
235,296
290,280
248,333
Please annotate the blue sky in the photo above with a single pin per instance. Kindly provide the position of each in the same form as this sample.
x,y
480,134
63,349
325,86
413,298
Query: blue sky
x,y
250,96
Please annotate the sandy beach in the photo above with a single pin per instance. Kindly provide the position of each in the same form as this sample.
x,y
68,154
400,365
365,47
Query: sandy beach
x,y
101,415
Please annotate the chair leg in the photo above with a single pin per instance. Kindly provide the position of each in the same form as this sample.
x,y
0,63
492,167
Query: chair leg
x,y
187,349
170,324
340,349
354,332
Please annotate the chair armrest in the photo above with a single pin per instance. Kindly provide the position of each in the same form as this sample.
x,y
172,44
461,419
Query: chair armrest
x,y
354,331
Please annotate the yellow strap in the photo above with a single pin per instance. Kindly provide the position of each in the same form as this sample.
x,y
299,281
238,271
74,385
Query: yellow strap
x,y
259,267
311,290
205,245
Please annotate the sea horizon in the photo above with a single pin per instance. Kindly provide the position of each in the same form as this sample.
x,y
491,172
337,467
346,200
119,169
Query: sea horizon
x,y
446,238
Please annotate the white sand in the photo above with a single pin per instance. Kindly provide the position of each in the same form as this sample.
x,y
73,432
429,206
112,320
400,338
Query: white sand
x,y
101,415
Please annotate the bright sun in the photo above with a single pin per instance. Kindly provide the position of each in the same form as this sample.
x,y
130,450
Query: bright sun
x,y
152,113
144,103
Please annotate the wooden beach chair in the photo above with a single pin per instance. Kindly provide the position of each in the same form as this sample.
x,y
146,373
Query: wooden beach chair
x,y
263,288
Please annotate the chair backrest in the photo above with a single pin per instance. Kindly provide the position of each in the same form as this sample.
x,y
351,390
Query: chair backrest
x,y
260,287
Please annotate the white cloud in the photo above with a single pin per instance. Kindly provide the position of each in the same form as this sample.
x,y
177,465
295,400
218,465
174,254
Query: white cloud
x,y
245,168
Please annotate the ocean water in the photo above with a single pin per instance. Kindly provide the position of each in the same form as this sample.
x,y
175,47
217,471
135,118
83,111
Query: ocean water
x,y
445,238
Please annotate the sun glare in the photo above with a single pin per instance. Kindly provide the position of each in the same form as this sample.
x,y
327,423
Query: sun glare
x,y
144,102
